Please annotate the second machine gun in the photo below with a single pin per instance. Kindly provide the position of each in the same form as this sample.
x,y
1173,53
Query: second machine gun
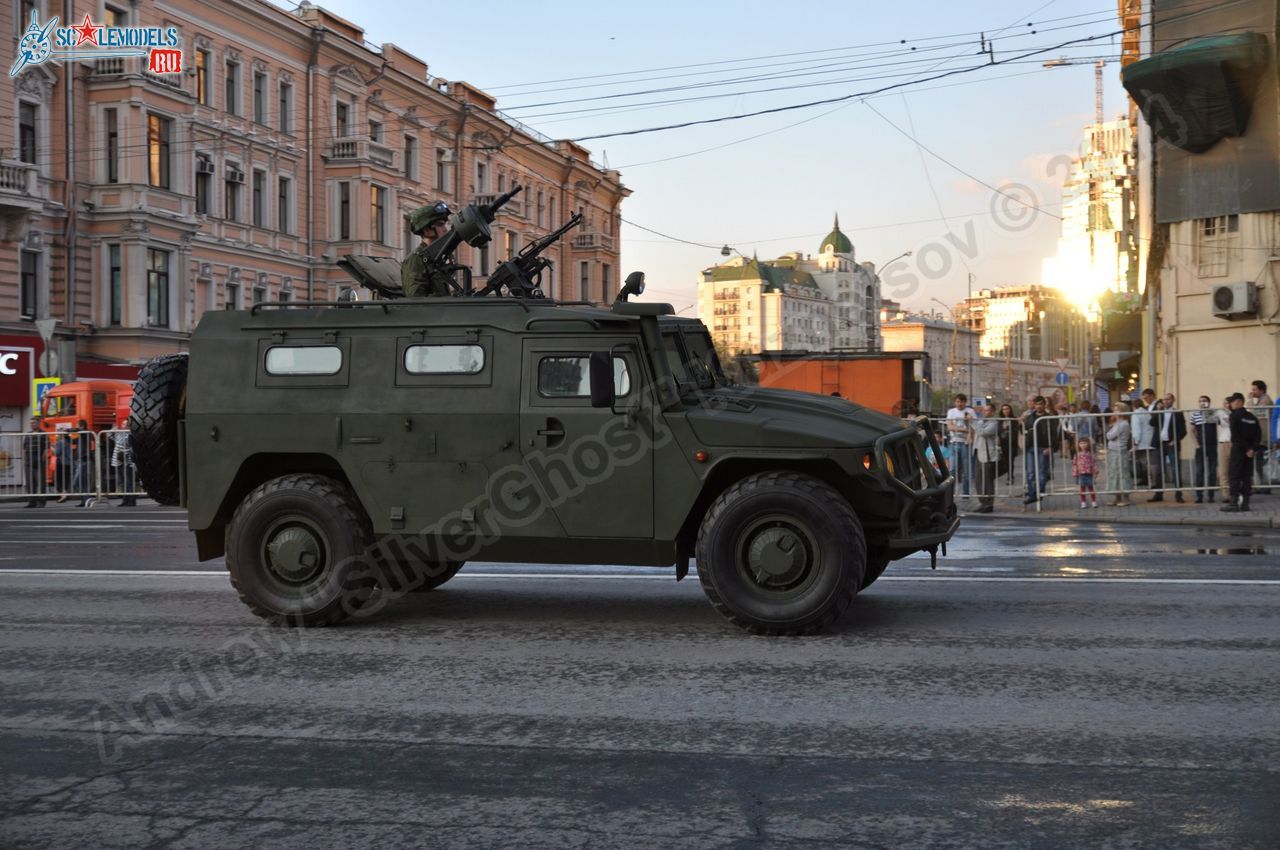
x,y
520,275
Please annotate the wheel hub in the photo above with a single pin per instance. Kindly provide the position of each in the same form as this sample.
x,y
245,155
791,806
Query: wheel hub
x,y
295,555
777,557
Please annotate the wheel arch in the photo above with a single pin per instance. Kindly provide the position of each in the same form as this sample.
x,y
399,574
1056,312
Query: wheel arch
x,y
255,470
731,470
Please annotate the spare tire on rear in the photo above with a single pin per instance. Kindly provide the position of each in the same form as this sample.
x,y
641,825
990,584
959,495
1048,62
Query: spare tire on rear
x,y
159,401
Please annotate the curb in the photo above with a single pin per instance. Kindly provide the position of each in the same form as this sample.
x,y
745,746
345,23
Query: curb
x,y
1047,517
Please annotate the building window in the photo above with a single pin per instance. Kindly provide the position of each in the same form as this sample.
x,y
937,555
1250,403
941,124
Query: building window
x,y
259,294
282,205
378,212
482,178
502,183
286,108
233,297
27,141
115,285
541,208
233,88
605,271
510,239
285,296
204,183
375,131
111,119
342,120
231,192
28,286
411,158
202,77
442,170
483,253
1216,238
158,131
584,280
344,210
115,17
259,198
553,212
260,97
157,288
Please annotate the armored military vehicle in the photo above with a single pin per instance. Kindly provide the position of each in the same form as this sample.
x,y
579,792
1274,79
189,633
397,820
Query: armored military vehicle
x,y
338,454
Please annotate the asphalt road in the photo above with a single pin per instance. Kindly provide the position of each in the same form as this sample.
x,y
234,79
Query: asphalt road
x,y
1049,686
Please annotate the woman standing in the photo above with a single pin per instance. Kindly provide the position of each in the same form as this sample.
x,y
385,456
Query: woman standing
x,y
1119,473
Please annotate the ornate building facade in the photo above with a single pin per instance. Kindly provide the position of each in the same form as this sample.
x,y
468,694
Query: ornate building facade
x,y
132,202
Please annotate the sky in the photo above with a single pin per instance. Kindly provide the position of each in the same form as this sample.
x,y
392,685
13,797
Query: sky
x,y
963,171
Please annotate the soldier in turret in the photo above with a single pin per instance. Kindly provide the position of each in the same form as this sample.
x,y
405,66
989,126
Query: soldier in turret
x,y
416,278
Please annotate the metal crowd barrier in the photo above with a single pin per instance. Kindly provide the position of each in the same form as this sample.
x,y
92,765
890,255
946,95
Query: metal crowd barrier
x,y
1164,467
46,467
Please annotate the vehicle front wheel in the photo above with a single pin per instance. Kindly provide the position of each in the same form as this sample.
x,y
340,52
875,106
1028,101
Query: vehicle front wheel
x,y
781,553
299,551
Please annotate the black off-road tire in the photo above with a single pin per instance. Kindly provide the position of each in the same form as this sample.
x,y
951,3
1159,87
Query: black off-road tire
x,y
749,566
299,551
877,561
159,402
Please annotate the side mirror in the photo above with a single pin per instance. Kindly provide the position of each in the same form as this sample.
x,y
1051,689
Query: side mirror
x,y
601,373
633,286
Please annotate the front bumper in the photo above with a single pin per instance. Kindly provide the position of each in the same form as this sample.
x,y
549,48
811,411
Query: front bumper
x,y
926,496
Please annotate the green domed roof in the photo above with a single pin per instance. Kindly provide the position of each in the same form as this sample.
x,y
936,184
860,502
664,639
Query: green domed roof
x,y
839,243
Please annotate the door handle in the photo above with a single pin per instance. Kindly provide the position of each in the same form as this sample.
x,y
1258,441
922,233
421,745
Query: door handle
x,y
553,434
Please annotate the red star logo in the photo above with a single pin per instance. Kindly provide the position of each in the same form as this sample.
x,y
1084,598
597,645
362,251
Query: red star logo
x,y
87,31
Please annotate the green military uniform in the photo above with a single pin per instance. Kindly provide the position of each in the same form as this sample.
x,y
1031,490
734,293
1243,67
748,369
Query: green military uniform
x,y
416,279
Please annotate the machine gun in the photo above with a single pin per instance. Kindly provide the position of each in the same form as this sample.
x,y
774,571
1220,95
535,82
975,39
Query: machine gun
x,y
471,225
522,274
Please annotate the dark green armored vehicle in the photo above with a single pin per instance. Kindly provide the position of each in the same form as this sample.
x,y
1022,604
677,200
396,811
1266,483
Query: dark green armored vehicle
x,y
338,454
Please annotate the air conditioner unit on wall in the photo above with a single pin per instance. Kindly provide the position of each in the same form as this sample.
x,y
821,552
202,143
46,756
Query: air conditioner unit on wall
x,y
204,166
1235,300
235,175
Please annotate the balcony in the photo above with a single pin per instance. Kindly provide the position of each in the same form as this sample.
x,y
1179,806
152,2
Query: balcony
x,y
592,242
21,197
361,149
109,66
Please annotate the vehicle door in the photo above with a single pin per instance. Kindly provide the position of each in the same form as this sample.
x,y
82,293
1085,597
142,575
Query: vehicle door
x,y
592,467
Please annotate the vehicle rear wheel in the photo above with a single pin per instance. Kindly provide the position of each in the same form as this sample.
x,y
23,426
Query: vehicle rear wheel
x,y
159,400
781,553
877,560
299,551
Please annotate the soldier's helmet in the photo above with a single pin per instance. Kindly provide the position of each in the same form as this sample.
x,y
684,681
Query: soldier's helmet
x,y
423,217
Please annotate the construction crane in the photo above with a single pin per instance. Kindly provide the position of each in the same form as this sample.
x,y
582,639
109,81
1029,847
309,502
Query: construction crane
x,y
1098,65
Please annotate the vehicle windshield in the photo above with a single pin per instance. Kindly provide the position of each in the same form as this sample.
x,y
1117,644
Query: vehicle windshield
x,y
691,356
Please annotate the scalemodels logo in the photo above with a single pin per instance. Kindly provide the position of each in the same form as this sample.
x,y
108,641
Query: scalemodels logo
x,y
49,41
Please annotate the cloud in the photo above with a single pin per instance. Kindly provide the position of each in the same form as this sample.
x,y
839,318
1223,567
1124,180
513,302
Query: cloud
x,y
966,186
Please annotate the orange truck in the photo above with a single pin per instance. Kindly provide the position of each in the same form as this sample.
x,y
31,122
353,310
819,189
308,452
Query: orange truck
x,y
886,381
103,404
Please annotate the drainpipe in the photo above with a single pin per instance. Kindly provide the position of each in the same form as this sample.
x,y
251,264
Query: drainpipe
x,y
463,114
69,191
317,35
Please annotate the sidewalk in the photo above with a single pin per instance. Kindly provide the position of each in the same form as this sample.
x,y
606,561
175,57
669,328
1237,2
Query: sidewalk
x,y
1264,511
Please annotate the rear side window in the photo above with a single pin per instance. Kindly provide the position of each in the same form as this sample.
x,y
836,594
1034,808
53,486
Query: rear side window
x,y
304,360
465,359
570,377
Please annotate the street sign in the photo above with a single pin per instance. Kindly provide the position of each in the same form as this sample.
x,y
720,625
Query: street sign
x,y
1063,362
46,326
39,387
1062,379
48,362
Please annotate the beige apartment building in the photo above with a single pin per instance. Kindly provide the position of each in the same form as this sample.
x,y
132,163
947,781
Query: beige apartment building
x,y
285,142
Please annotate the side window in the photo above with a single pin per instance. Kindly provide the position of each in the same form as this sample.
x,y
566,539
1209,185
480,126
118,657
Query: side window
x,y
304,360
443,359
570,377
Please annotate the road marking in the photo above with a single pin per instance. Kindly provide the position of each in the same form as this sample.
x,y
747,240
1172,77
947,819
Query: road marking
x,y
609,576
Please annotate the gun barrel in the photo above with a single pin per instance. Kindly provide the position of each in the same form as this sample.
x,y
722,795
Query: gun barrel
x,y
491,210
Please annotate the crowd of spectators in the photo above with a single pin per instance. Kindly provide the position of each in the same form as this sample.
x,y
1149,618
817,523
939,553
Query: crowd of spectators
x,y
1124,448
